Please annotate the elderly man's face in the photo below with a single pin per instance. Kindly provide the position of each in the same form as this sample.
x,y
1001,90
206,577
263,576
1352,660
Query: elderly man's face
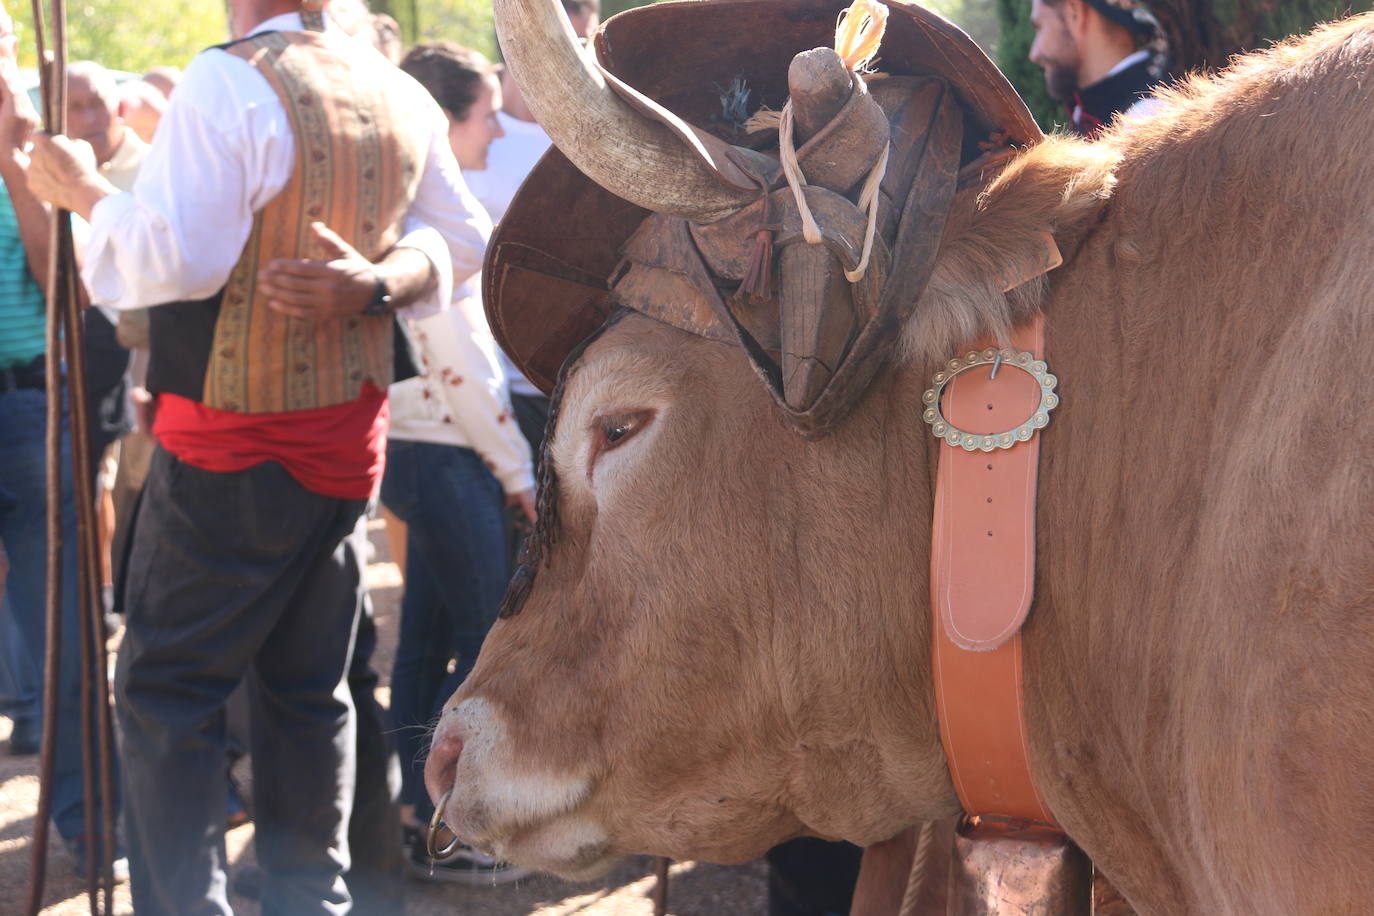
x,y
92,112
1054,49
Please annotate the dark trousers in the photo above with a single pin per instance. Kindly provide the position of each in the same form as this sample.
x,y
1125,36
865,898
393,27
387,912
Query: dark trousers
x,y
375,877
227,573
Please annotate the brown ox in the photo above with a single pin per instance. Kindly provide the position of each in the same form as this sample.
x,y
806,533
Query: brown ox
x,y
730,644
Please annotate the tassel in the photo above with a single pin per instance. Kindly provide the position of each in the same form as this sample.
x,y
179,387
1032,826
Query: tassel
x,y
859,33
758,279
757,285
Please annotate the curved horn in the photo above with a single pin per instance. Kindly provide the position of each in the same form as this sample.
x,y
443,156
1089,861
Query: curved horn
x,y
628,154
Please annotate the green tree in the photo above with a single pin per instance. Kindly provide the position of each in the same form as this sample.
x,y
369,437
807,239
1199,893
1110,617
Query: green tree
x,y
467,22
130,34
1204,34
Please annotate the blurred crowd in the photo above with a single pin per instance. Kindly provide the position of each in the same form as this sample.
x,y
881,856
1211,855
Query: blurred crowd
x,y
460,437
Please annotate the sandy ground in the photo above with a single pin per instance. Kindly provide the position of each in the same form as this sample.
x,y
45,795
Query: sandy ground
x,y
695,889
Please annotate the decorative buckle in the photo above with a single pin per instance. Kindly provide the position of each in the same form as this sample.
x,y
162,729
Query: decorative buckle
x,y
974,442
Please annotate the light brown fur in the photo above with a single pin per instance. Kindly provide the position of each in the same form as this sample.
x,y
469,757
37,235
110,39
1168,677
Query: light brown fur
x,y
731,636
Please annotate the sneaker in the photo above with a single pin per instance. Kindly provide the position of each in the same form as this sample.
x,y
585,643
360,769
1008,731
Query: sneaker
x,y
25,737
464,866
76,847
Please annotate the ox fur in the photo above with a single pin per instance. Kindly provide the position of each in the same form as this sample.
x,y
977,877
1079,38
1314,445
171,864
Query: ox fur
x,y
729,645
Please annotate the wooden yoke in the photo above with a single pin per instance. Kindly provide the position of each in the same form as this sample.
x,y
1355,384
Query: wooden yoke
x,y
817,315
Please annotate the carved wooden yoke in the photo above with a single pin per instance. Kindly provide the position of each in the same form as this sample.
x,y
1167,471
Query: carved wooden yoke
x,y
568,251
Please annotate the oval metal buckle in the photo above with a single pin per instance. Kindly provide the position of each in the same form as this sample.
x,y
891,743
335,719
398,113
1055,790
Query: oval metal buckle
x,y
973,442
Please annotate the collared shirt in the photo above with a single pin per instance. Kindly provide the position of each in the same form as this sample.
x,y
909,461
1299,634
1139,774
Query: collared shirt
x,y
222,151
509,160
1124,88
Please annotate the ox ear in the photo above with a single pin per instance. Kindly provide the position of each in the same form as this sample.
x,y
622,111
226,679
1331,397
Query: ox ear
x,y
1003,240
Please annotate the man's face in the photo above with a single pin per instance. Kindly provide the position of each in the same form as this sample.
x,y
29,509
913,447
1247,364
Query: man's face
x,y
1054,50
92,113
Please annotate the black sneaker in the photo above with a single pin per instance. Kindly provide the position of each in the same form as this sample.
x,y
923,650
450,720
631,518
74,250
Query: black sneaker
x,y
25,737
464,865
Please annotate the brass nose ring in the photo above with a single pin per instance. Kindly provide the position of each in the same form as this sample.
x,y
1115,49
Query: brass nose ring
x,y
436,821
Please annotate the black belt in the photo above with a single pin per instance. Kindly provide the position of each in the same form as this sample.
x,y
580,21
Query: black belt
x,y
25,375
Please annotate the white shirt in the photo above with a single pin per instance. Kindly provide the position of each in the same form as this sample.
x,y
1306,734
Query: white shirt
x,y
509,160
222,151
461,398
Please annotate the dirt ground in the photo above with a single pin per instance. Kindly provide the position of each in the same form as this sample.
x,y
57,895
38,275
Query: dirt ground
x,y
695,889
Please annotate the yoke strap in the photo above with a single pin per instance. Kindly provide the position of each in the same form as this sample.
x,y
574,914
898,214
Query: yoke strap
x,y
982,584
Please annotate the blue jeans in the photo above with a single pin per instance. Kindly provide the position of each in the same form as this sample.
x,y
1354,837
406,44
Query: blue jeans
x,y
18,679
457,568
23,462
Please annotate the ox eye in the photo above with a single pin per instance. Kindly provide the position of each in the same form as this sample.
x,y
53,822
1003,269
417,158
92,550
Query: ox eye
x,y
614,429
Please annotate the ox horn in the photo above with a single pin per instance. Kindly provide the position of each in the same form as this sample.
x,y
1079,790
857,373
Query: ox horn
x,y
628,153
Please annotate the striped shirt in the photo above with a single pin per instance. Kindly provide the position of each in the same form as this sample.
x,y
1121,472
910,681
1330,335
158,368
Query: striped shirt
x,y
21,301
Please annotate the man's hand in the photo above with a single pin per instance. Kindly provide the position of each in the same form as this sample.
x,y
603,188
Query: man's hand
x,y
338,285
62,171
18,120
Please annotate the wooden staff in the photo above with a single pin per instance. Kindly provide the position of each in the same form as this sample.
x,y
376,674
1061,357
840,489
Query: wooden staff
x,y
64,305
660,895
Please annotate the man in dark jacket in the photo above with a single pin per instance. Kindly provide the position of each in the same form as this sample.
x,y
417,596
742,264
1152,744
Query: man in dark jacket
x,y
1100,57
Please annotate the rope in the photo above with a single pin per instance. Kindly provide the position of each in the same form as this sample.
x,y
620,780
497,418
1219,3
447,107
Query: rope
x,y
858,33
868,198
916,878
795,178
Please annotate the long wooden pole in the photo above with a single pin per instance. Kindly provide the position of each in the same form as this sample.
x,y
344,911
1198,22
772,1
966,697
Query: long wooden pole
x,y
53,482
68,346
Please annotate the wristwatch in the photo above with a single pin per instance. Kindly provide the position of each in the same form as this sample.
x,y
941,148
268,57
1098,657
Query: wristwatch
x,y
380,303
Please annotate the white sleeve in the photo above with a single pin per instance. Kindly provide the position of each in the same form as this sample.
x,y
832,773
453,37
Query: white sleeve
x,y
444,202
431,243
221,152
473,390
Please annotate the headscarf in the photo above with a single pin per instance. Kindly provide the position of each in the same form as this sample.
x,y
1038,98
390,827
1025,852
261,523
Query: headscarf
x,y
1137,16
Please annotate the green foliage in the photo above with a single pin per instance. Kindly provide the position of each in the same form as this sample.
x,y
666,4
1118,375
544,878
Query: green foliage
x,y
1013,47
1244,24
130,34
977,17
467,22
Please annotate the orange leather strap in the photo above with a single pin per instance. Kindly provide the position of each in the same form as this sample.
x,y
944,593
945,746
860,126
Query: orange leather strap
x,y
982,584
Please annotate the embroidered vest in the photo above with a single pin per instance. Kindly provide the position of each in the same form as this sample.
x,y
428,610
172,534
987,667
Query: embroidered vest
x,y
358,163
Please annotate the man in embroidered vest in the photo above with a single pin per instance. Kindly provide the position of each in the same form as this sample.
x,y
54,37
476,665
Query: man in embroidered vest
x,y
1100,57
293,142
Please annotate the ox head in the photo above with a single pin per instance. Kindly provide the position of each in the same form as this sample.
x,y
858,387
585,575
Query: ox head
x,y
717,639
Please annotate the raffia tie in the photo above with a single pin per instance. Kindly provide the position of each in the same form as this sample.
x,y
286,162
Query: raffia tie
x,y
858,34
868,197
